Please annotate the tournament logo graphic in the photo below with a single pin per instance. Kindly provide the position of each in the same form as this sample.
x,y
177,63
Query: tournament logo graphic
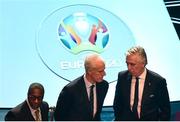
x,y
68,34
82,31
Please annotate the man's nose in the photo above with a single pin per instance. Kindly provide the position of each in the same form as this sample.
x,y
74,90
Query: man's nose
x,y
129,66
36,100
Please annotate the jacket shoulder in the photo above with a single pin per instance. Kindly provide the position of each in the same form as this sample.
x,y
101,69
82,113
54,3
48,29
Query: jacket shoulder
x,y
124,73
75,82
17,112
155,75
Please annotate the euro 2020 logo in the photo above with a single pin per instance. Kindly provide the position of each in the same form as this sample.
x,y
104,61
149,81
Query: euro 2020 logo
x,y
68,34
82,31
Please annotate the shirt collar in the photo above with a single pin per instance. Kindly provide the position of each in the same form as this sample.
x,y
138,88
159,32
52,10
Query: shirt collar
x,y
31,109
87,83
143,75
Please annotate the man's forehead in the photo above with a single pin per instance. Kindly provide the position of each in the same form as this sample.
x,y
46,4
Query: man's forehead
x,y
36,90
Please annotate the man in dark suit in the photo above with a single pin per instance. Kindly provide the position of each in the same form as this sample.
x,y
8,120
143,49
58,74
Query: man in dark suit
x,y
140,94
31,109
75,103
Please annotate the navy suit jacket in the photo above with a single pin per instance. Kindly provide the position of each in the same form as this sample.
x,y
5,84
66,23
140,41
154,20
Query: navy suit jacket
x,y
73,102
22,112
155,103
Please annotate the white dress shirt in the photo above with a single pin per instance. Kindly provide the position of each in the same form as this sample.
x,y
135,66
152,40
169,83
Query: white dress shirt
x,y
88,85
33,111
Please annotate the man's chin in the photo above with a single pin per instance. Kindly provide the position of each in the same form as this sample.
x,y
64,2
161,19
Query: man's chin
x,y
35,107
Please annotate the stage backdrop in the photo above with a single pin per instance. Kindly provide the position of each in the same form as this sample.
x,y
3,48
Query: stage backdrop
x,y
46,41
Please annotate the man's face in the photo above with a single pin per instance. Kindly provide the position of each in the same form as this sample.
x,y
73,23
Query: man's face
x,y
135,64
35,98
98,72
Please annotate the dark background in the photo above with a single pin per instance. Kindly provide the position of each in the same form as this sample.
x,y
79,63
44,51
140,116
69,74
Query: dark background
x,y
173,7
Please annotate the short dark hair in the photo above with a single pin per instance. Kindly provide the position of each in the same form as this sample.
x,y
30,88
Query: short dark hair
x,y
36,86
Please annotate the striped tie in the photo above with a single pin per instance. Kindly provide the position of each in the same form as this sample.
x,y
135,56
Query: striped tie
x,y
92,100
37,118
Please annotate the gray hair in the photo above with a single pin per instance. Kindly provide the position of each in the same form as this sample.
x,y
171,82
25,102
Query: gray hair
x,y
138,50
88,63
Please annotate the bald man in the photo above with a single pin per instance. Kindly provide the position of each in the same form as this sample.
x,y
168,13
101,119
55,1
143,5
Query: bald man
x,y
74,102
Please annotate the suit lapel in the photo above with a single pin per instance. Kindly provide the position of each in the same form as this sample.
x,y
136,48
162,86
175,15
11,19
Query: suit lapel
x,y
43,112
129,77
27,112
84,94
98,96
147,84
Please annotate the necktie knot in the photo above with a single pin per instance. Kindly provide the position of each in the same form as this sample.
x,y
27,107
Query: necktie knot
x,y
137,78
92,86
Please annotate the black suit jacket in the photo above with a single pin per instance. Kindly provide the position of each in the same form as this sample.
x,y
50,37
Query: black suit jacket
x,y
73,102
22,112
155,103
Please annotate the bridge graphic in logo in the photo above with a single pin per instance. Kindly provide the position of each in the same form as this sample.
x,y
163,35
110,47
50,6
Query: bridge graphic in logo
x,y
83,32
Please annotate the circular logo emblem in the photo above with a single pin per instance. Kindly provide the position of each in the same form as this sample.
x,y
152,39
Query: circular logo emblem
x,y
81,31
68,34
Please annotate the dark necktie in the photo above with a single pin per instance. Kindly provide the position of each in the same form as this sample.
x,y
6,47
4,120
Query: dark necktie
x,y
92,100
134,108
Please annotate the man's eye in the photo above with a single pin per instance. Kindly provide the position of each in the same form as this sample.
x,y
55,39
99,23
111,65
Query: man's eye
x,y
131,64
34,97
